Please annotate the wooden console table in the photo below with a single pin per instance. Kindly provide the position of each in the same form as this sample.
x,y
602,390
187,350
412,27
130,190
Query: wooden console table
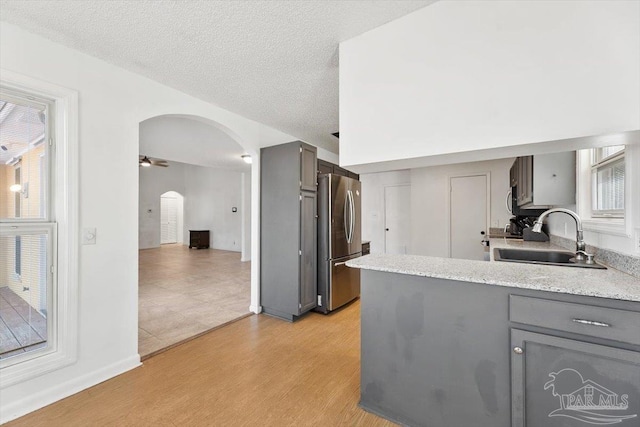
x,y
199,239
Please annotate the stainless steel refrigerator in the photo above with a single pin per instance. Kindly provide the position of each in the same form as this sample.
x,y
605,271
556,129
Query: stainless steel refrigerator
x,y
338,240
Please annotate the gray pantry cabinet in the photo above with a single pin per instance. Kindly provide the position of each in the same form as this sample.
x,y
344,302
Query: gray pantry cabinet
x,y
288,184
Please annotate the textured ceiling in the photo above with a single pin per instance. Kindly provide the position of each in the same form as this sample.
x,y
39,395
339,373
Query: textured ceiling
x,y
275,62
190,141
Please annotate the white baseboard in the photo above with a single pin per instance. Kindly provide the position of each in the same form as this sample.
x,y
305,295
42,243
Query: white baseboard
x,y
60,391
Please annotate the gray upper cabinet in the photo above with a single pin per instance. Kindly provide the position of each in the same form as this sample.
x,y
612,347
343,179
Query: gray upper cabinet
x,y
560,382
288,229
325,167
328,167
337,170
545,180
308,172
525,180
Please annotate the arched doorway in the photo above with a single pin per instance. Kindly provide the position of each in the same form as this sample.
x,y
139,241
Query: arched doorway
x,y
196,181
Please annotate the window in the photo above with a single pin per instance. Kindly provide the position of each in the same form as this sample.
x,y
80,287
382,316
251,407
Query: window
x,y
27,240
607,181
38,208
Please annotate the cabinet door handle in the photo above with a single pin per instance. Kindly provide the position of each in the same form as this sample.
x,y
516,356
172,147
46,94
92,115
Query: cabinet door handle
x,y
592,323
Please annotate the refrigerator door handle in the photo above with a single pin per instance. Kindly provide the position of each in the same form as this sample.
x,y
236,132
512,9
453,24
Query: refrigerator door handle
x,y
352,217
347,229
349,226
353,222
347,211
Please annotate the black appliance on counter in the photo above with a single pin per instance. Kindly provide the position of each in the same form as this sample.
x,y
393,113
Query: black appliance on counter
x,y
518,223
523,218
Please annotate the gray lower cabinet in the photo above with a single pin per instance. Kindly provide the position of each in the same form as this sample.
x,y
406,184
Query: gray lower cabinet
x,y
560,382
439,352
288,278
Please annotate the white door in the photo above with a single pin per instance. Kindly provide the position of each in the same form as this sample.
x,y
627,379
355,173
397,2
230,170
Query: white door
x,y
397,214
168,220
468,216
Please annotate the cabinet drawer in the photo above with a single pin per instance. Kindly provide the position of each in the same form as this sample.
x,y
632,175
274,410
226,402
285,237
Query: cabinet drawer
x,y
601,322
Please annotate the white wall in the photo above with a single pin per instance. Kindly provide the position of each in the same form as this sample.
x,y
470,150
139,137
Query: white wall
x,y
458,76
246,217
373,186
112,103
429,199
209,195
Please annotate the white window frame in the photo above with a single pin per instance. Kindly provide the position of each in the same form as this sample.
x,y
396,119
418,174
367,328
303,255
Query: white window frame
x,y
598,162
616,226
63,332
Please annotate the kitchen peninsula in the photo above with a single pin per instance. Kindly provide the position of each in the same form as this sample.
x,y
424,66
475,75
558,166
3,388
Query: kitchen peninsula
x,y
470,343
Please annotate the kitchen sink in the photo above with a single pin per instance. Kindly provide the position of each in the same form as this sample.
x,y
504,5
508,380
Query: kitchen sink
x,y
563,258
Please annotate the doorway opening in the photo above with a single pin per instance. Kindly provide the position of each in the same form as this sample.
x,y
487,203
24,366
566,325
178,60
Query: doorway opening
x,y
171,218
192,178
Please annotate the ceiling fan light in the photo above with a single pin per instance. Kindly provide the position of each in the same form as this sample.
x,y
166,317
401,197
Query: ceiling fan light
x,y
247,158
145,162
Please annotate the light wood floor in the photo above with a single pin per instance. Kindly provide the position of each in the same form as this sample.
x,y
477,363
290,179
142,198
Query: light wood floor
x,y
184,292
256,371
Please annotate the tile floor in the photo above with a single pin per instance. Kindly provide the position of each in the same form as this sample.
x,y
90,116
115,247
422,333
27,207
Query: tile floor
x,y
184,292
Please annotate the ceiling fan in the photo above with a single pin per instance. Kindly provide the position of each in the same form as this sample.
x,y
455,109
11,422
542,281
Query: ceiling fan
x,y
145,161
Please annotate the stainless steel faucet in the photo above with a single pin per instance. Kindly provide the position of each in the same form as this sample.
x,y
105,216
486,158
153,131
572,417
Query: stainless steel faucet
x,y
581,254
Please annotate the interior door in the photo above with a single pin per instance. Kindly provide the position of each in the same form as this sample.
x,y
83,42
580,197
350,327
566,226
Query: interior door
x,y
168,220
468,216
397,219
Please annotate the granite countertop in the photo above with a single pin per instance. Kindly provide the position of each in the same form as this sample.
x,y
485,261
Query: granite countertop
x,y
608,283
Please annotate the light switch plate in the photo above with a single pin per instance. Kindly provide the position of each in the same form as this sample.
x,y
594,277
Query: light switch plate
x,y
89,236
